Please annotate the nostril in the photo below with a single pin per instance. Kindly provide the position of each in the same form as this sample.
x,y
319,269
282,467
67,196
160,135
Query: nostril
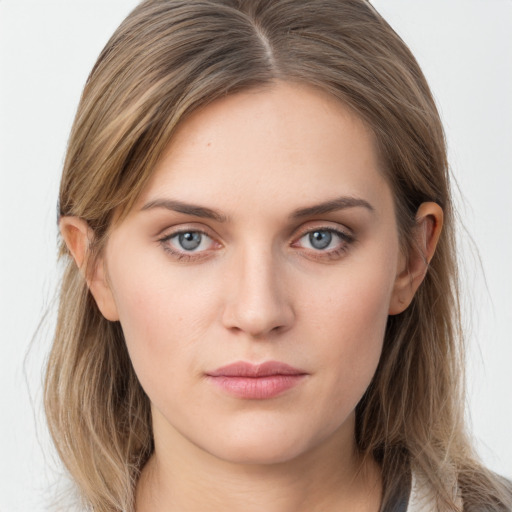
x,y
270,318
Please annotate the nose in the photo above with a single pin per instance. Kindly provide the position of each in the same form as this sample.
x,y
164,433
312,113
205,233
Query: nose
x,y
257,301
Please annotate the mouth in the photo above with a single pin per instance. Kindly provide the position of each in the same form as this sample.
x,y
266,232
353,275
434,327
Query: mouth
x,y
256,381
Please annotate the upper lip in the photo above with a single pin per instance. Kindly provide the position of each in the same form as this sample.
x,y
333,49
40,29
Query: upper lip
x,y
246,369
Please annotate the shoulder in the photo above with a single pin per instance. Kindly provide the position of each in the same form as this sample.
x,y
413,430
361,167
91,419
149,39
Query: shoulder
x,y
423,497
497,500
495,497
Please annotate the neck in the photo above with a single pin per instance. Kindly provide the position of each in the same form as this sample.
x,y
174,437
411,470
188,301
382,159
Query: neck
x,y
330,477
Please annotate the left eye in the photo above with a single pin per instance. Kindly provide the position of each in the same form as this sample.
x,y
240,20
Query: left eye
x,y
189,241
322,239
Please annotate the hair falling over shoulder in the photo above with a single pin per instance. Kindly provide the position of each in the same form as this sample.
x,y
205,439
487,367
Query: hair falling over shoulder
x,y
166,60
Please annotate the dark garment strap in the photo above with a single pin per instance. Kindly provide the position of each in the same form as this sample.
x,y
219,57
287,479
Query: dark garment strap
x,y
399,498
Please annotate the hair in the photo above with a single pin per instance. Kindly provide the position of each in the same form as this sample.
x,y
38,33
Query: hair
x,y
168,59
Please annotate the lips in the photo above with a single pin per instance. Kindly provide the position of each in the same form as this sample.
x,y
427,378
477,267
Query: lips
x,y
256,381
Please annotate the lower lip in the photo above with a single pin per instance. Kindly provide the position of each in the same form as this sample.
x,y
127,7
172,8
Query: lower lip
x,y
256,388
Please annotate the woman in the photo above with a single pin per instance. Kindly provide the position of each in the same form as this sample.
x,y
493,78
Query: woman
x,y
259,310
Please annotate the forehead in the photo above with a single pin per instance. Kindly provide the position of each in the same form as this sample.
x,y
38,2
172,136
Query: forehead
x,y
275,146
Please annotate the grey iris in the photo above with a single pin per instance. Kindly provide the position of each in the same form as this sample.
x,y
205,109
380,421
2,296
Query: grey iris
x,y
189,241
320,239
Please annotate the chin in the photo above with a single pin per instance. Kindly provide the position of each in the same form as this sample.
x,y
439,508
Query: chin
x,y
256,453
270,444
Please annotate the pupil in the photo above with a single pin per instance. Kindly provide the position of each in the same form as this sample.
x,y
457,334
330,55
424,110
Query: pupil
x,y
320,239
190,241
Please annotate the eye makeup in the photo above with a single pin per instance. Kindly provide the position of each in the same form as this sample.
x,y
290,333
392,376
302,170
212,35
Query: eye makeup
x,y
319,243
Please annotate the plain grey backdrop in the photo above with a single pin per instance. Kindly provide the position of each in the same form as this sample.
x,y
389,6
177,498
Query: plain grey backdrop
x,y
47,49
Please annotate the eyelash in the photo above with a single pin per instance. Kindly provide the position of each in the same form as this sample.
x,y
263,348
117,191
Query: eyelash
x,y
346,240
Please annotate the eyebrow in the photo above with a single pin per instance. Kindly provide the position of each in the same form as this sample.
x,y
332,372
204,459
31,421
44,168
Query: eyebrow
x,y
186,208
339,203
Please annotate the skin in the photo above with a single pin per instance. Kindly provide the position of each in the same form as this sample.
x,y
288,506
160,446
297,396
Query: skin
x,y
258,289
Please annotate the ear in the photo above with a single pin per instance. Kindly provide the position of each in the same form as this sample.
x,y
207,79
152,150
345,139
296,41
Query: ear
x,y
412,267
77,235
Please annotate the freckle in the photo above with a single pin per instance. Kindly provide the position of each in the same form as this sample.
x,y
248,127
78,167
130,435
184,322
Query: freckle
x,y
209,144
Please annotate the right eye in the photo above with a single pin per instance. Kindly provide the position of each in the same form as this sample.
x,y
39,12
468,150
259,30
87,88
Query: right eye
x,y
186,244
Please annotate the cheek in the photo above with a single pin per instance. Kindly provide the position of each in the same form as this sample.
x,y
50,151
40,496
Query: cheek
x,y
348,326
351,309
159,314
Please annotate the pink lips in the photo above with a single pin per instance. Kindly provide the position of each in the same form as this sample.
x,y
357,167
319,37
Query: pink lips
x,y
256,381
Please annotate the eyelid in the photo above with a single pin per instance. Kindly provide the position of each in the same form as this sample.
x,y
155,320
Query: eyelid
x,y
180,227
344,232
168,235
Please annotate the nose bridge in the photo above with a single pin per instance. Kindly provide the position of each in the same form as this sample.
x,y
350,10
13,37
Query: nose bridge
x,y
258,303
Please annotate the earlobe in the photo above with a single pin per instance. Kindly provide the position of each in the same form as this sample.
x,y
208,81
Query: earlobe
x,y
77,235
413,267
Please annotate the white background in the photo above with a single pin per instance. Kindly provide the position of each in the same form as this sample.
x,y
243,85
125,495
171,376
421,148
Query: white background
x,y
46,51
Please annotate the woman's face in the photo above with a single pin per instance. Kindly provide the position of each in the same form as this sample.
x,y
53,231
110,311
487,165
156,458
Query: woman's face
x,y
254,277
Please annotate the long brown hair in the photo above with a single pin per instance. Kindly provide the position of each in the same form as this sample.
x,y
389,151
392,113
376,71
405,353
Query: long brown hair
x,y
170,58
